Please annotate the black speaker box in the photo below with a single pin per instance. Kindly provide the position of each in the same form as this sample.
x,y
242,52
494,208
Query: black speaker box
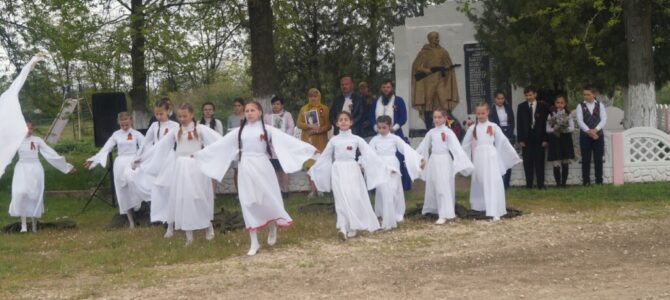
x,y
106,107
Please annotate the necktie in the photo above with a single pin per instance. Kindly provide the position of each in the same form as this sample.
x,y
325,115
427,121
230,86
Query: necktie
x,y
532,115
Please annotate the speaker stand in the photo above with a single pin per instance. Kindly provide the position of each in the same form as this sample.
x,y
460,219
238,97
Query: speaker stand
x,y
94,195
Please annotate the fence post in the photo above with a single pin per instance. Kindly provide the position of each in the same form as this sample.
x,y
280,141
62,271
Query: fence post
x,y
617,159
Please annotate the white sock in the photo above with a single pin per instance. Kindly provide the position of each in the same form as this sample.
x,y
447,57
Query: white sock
x,y
272,234
253,248
24,225
210,232
131,221
189,237
170,230
34,225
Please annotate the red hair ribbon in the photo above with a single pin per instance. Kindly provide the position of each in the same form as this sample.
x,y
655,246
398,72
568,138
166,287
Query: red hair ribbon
x,y
444,136
32,145
165,131
190,135
130,136
489,130
263,137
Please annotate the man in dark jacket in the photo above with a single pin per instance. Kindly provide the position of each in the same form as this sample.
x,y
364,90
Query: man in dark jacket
x,y
349,101
532,136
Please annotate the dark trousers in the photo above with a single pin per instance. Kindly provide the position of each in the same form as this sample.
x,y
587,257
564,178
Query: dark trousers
x,y
596,148
533,162
507,130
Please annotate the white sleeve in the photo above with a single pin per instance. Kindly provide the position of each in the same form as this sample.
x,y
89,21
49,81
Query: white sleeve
x,y
208,135
53,158
218,127
100,158
467,141
412,158
292,153
462,163
215,159
320,172
507,155
374,175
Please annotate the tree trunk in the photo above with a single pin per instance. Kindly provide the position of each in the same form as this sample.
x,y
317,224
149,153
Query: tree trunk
x,y
640,107
262,51
138,92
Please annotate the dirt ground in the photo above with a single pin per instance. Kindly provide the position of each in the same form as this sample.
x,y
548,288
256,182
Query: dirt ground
x,y
619,254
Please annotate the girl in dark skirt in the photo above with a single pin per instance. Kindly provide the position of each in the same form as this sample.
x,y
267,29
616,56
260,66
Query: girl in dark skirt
x,y
560,127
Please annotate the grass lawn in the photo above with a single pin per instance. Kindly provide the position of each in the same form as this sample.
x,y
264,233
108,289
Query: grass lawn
x,y
123,256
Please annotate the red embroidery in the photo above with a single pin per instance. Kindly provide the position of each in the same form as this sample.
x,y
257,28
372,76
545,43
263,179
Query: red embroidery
x,y
489,130
32,145
263,137
130,136
350,148
444,136
190,135
165,131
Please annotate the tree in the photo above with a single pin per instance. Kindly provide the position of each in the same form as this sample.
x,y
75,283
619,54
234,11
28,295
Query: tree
x,y
641,105
263,70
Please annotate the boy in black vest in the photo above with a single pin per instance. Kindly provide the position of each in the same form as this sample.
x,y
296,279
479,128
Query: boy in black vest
x,y
591,118
531,117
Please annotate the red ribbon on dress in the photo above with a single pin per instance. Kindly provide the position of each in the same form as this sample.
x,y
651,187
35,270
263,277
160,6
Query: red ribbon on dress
x,y
263,137
165,131
444,136
130,136
489,130
32,145
350,148
190,135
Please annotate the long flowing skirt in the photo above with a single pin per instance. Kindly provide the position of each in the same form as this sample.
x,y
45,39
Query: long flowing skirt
x,y
27,190
390,197
259,192
440,195
191,200
352,202
160,193
126,192
487,191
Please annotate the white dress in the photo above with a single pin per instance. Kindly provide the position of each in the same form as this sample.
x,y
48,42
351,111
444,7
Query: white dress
x,y
13,128
440,147
191,197
260,196
492,155
145,182
390,196
344,177
28,180
127,143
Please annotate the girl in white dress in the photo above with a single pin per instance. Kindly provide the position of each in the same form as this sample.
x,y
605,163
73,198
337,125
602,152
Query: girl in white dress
x,y
390,197
127,141
190,195
492,155
28,181
146,183
260,196
338,169
445,158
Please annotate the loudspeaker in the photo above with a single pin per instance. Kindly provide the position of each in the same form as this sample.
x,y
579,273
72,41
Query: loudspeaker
x,y
106,107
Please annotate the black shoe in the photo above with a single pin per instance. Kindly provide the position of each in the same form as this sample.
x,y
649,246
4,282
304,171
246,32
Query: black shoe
x,y
284,195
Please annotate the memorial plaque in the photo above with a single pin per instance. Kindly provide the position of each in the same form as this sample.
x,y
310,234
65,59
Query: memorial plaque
x,y
479,81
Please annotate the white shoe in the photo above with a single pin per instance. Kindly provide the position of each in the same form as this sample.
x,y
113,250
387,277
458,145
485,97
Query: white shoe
x,y
351,234
252,251
168,234
400,219
320,194
311,195
496,219
24,230
441,221
343,235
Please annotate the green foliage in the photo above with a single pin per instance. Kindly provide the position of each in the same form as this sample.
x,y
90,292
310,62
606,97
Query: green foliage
x,y
561,44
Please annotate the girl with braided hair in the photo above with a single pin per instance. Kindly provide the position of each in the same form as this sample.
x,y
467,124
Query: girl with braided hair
x,y
492,155
253,144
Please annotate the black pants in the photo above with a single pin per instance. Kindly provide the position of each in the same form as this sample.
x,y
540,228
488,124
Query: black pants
x,y
533,162
507,130
596,148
